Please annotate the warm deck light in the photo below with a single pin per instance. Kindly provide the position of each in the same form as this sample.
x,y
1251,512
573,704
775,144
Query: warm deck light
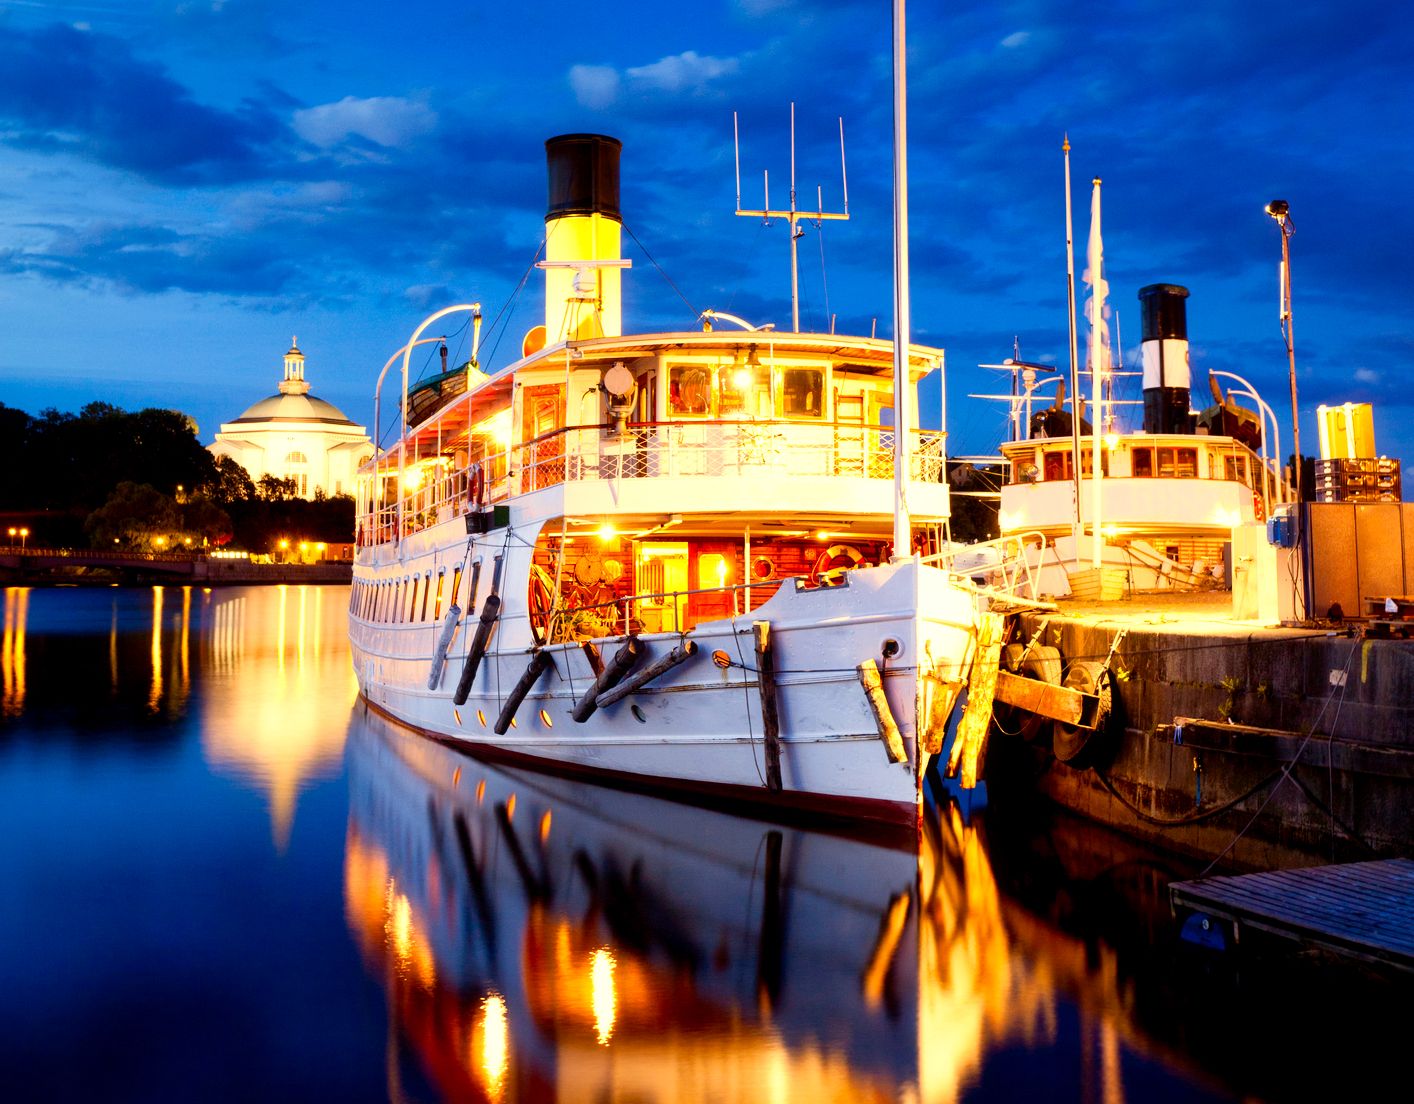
x,y
607,532
603,996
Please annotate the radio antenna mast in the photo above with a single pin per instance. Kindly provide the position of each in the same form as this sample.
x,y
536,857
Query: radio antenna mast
x,y
793,215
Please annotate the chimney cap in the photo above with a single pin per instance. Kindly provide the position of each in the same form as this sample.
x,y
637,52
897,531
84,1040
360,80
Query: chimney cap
x,y
584,175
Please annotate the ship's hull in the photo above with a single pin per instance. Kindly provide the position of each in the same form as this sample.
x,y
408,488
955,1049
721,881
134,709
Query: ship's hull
x,y
700,727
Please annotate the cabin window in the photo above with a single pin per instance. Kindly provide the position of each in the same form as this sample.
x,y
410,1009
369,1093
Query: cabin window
x,y
437,605
745,388
456,585
1177,463
1235,468
689,391
713,571
426,593
1059,466
412,598
1141,461
803,393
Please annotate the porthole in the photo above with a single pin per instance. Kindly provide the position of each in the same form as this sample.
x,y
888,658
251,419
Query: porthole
x,y
481,718
890,647
545,719
638,715
457,713
510,806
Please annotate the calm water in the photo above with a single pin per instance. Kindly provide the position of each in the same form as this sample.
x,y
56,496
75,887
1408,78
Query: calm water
x,y
224,882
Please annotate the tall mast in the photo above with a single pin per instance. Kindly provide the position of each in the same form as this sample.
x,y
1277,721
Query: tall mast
x,y
903,539
1074,342
1099,350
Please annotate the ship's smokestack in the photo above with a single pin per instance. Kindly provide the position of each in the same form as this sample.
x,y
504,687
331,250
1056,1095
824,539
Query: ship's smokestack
x,y
583,295
1165,350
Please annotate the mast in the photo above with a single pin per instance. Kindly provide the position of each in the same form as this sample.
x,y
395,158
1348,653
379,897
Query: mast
x,y
1099,349
903,540
1074,343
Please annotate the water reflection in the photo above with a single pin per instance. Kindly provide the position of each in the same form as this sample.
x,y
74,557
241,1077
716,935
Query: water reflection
x,y
12,652
275,707
543,938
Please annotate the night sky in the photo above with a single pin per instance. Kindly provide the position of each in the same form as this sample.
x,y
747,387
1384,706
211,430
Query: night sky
x,y
186,185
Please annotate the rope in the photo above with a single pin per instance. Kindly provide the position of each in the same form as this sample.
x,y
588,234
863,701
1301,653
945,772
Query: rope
x,y
664,272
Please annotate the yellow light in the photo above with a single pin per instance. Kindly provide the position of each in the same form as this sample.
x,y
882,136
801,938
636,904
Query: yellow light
x,y
722,572
159,541
741,378
412,479
510,806
822,535
495,1045
321,546
187,541
545,826
607,532
1111,441
602,994
303,545
1109,530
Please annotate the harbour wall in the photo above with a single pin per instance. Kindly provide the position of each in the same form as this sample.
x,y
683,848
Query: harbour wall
x,y
1266,746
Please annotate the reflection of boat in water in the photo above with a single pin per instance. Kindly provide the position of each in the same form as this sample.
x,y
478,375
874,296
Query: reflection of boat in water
x,y
546,939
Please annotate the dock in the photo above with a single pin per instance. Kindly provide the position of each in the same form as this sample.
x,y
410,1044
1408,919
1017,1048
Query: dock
x,y
1364,910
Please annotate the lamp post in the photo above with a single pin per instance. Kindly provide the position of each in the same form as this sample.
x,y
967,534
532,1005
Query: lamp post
x,y
24,536
1280,210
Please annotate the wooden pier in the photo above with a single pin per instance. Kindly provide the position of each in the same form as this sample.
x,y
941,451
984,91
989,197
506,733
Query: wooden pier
x,y
1364,910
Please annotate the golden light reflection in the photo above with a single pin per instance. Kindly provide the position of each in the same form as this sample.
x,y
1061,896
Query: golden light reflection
x,y
604,999
267,720
12,652
154,696
493,1049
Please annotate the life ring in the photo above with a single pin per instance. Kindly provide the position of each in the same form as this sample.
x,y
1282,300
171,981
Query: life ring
x,y
541,601
829,567
1258,511
476,487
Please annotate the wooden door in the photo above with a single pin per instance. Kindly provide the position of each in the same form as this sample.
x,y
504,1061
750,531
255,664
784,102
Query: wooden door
x,y
713,565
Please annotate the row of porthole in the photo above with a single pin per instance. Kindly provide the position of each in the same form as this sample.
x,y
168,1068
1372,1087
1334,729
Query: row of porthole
x,y
545,718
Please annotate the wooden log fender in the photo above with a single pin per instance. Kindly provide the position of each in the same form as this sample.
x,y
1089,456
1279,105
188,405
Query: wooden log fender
x,y
681,654
490,612
439,653
883,715
538,664
614,671
770,715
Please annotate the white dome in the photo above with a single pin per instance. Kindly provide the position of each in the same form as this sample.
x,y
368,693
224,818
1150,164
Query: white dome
x,y
293,408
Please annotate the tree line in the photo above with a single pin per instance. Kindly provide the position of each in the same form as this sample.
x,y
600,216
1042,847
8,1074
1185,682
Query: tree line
x,y
142,480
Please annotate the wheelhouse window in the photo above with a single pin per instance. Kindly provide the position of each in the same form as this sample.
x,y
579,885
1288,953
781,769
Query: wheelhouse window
x,y
803,393
1177,463
689,391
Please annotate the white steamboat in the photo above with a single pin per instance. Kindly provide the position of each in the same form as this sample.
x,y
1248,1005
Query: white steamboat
x,y
668,559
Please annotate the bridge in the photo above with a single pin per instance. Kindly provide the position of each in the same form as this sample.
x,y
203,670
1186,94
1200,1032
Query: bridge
x,y
39,566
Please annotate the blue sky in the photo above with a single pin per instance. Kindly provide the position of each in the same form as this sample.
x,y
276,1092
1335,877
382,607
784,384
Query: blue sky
x,y
184,185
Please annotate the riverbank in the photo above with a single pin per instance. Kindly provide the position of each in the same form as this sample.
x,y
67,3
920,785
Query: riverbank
x,y
87,567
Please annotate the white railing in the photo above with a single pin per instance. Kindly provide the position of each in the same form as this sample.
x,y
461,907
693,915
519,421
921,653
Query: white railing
x,y
1009,564
436,489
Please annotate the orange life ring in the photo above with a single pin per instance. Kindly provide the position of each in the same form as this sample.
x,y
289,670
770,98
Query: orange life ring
x,y
829,567
1258,511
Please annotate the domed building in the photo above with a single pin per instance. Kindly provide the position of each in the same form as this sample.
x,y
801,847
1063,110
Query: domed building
x,y
296,435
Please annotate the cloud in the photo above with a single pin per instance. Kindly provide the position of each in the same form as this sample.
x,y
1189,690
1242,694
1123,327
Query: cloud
x,y
1367,375
389,121
599,86
595,86
83,93
685,72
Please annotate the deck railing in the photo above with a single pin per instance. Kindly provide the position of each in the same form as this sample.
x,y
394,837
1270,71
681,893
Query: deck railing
x,y
437,488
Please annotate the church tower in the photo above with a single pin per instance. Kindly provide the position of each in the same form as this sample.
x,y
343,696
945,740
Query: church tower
x,y
293,383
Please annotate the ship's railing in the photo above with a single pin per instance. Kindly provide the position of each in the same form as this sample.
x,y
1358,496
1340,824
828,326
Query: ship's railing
x,y
700,448
438,486
1008,564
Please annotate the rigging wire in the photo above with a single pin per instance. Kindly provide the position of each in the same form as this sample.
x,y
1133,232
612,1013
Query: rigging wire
x,y
664,272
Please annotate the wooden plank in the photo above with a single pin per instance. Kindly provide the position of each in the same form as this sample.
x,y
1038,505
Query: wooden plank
x,y
1364,909
1059,703
770,718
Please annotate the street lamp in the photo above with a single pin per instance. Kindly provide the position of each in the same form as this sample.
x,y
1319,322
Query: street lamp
x,y
24,536
1280,210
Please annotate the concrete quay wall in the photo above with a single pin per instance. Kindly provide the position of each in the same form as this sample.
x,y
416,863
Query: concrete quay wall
x,y
1328,772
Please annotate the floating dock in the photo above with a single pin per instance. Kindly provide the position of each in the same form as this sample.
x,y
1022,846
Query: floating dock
x,y
1364,910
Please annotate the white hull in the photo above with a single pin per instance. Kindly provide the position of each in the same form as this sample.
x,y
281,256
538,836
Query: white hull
x,y
700,726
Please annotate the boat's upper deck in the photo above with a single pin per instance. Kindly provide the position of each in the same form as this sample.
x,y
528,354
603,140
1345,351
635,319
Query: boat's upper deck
x,y
701,421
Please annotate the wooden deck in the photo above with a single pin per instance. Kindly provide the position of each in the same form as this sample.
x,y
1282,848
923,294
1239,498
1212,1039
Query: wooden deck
x,y
1365,909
